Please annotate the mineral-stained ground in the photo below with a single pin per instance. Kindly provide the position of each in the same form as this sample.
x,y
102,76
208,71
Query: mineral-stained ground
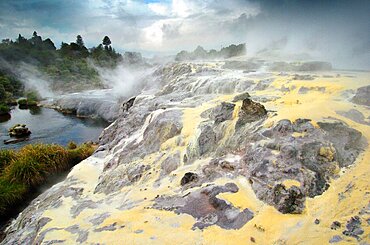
x,y
217,155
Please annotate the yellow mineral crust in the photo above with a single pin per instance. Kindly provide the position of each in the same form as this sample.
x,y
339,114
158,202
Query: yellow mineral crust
x,y
144,225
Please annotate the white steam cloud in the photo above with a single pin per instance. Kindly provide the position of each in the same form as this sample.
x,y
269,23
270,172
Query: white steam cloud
x,y
125,81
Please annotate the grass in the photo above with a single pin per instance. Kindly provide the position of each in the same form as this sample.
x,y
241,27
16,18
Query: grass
x,y
24,170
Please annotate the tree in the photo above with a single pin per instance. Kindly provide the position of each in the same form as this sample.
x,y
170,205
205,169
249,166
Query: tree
x,y
48,44
36,40
2,93
6,41
79,41
106,42
21,39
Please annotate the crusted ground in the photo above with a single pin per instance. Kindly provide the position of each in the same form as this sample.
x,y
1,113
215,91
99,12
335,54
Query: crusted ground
x,y
219,156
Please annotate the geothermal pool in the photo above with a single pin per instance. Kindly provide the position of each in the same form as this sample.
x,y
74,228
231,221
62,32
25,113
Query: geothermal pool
x,y
50,126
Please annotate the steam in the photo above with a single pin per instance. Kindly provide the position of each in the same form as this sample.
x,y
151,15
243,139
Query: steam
x,y
34,80
310,31
30,76
125,80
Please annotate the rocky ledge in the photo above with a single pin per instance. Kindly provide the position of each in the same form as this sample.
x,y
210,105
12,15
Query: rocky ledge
x,y
213,157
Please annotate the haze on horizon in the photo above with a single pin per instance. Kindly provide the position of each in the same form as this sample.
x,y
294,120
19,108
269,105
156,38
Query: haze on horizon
x,y
335,31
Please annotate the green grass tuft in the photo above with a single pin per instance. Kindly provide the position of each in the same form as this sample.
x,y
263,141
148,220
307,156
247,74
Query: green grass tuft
x,y
31,166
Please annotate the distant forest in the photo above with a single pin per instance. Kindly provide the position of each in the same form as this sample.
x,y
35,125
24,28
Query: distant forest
x,y
72,67
201,54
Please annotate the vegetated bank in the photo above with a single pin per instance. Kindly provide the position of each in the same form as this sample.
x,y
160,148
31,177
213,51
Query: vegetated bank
x,y
23,171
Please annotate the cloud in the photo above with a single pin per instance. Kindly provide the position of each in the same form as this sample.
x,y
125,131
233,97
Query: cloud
x,y
333,30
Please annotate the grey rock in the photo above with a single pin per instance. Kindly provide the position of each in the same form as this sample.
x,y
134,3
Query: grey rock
x,y
206,208
241,96
111,227
362,96
353,228
206,140
170,164
348,142
222,112
99,218
354,115
78,208
335,239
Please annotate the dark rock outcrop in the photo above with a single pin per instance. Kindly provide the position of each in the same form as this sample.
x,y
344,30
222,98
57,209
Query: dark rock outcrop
x,y
189,177
250,111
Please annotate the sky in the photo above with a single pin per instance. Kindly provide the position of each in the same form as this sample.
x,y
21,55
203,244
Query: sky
x,y
337,31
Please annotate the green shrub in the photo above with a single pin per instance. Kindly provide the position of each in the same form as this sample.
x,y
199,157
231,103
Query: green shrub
x,y
31,103
4,109
22,102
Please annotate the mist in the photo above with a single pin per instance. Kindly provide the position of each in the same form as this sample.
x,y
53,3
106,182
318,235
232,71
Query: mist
x,y
33,79
30,76
126,80
337,32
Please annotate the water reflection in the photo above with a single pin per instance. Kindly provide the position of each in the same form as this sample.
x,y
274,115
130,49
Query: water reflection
x,y
5,117
35,110
50,126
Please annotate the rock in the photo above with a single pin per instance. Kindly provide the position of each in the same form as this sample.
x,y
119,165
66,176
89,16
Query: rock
x,y
303,77
207,209
354,115
206,140
128,104
301,66
310,160
263,84
251,111
347,142
170,164
19,131
362,96
14,141
241,96
162,153
189,177
315,66
223,112
288,200
94,104
335,225
335,239
317,221
353,228
241,65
